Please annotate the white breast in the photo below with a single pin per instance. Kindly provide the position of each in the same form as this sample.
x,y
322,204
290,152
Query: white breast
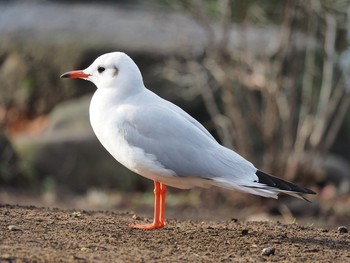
x,y
107,120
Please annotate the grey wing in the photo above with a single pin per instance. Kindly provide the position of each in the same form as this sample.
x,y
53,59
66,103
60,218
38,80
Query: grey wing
x,y
189,118
181,146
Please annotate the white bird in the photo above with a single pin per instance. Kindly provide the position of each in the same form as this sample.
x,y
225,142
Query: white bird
x,y
158,140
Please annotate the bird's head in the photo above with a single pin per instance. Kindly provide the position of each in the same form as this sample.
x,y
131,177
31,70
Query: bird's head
x,y
114,70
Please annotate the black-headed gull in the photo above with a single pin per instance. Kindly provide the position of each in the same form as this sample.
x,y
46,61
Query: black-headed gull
x,y
158,140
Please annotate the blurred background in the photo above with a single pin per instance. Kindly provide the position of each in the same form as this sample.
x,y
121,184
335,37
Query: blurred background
x,y
270,79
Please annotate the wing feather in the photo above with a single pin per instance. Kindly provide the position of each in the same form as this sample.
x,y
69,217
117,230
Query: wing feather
x,y
181,146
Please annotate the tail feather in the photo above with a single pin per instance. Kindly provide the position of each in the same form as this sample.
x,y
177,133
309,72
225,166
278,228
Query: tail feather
x,y
266,186
283,186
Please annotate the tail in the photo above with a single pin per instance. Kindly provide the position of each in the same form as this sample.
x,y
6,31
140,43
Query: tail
x,y
264,185
278,185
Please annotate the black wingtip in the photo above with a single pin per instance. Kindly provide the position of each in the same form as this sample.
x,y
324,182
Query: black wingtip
x,y
276,182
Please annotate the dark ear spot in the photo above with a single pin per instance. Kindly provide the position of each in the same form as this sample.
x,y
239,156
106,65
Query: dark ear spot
x,y
116,70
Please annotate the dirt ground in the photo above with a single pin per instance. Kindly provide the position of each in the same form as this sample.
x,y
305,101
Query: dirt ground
x,y
32,234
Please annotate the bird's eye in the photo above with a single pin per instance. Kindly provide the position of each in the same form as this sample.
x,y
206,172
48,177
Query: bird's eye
x,y
100,69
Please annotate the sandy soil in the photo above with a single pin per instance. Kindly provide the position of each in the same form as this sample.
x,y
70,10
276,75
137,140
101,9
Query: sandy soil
x,y
31,234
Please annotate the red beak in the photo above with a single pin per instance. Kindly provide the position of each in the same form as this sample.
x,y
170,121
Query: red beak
x,y
75,74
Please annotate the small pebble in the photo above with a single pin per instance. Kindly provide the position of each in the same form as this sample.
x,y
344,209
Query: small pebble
x,y
267,251
135,217
76,214
244,232
13,228
343,229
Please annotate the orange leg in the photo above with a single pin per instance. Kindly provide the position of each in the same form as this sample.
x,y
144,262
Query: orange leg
x,y
162,204
159,205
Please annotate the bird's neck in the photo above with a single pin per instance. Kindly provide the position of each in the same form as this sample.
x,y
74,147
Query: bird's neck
x,y
114,96
119,93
